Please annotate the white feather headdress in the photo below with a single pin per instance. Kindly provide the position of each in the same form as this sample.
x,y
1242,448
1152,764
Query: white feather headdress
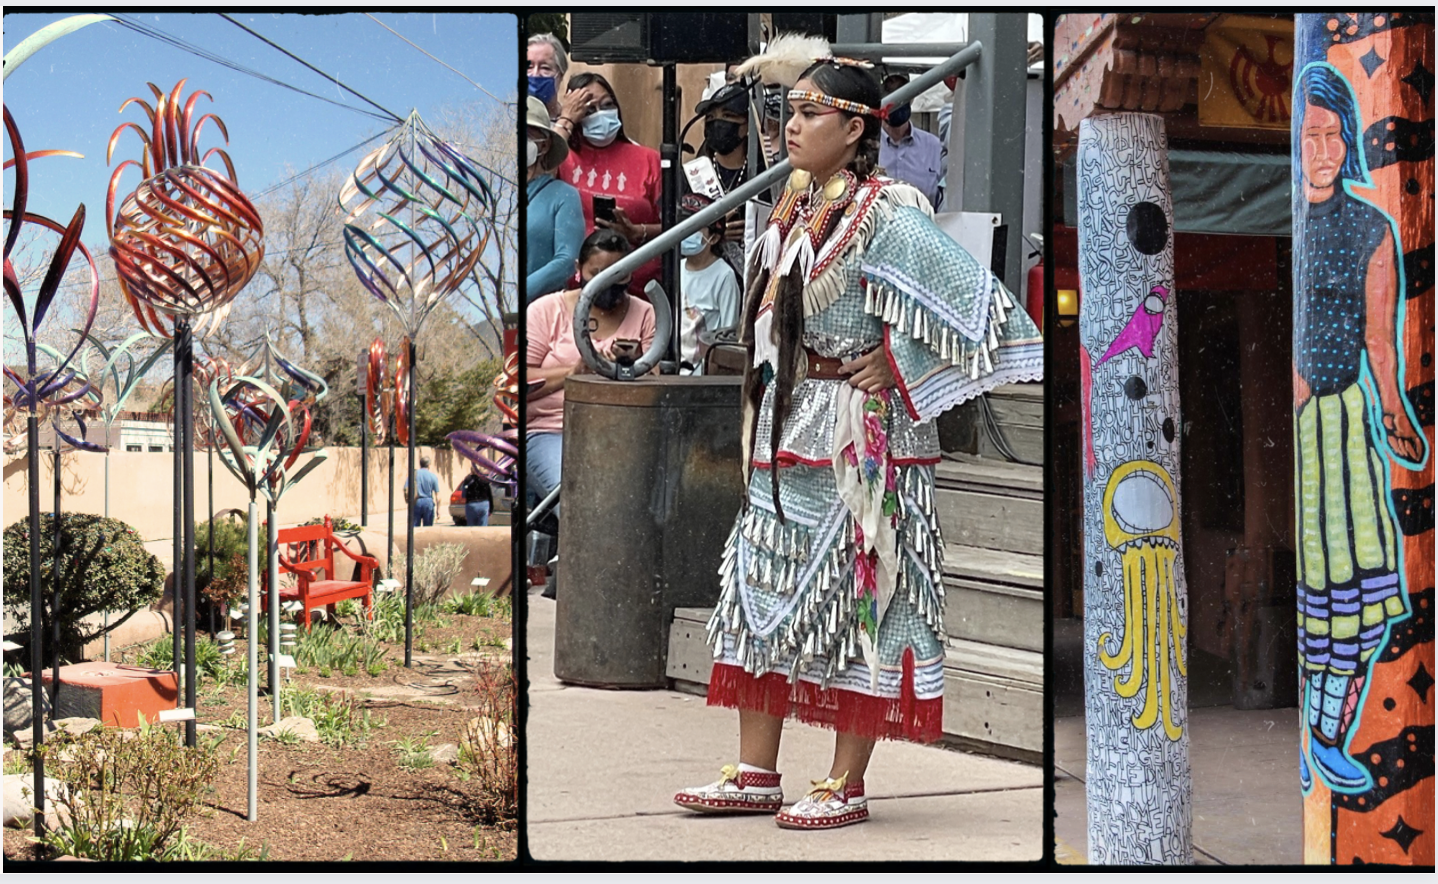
x,y
786,58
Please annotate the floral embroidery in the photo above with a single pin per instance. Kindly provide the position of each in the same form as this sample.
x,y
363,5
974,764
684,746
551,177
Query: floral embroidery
x,y
874,465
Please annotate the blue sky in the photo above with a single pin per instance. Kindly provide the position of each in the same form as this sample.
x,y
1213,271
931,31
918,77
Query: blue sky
x,y
67,95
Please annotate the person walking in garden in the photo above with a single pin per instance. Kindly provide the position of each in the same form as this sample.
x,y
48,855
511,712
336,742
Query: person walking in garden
x,y
428,485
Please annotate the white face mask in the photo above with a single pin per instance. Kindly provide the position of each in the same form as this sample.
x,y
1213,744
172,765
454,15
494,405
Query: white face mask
x,y
533,152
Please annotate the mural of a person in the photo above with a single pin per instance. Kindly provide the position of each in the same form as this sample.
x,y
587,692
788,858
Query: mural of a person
x,y
1351,415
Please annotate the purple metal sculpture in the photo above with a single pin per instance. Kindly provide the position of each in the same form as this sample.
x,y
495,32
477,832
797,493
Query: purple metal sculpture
x,y
39,393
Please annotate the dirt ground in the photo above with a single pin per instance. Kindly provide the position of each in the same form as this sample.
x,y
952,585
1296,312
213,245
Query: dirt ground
x,y
318,802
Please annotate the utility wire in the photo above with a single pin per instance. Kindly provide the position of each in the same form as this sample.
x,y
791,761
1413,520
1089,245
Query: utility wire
x,y
397,118
451,67
186,46
317,166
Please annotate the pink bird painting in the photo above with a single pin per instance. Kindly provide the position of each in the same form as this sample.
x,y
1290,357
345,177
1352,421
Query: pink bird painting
x,y
1142,327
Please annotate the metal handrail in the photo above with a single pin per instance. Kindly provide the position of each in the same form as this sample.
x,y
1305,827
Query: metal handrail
x,y
754,186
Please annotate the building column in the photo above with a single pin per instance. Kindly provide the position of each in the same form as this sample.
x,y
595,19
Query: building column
x,y
1135,603
1363,429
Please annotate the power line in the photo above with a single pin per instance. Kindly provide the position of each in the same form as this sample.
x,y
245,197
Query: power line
x,y
186,46
317,166
397,118
451,67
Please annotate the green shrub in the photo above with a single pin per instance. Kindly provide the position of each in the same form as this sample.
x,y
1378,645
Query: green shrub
x,y
338,524
231,551
487,748
472,604
129,792
104,568
336,715
160,654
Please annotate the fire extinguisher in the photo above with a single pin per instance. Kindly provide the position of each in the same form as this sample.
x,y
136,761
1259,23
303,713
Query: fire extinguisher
x,y
1034,303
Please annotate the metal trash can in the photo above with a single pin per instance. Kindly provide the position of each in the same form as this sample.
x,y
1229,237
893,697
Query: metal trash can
x,y
651,485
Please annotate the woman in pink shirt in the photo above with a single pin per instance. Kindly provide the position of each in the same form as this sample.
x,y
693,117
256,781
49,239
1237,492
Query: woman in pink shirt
x,y
604,162
553,356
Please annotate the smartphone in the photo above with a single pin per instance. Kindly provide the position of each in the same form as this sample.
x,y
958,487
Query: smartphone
x,y
604,207
626,351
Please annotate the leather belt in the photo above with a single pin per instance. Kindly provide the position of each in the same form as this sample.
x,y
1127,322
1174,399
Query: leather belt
x,y
826,368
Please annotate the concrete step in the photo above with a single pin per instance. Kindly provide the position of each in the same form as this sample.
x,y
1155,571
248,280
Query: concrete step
x,y
994,597
993,695
1019,410
990,503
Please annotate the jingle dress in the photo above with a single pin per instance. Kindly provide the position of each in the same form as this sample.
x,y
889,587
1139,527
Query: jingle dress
x,y
834,614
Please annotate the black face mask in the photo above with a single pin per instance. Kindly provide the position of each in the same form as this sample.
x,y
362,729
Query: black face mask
x,y
722,135
899,115
608,299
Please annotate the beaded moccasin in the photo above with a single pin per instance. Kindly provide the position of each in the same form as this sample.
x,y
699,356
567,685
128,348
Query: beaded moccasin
x,y
829,805
737,791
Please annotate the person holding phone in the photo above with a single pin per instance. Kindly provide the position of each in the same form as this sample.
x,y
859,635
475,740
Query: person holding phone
x,y
619,181
726,144
553,357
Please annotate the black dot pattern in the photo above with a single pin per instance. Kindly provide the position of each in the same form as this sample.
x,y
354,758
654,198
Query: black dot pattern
x,y
1330,265
1147,227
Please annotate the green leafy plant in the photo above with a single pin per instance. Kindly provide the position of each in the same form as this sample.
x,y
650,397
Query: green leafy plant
x,y
434,571
104,567
487,747
160,654
414,752
336,714
333,648
129,792
388,622
338,524
471,604
231,551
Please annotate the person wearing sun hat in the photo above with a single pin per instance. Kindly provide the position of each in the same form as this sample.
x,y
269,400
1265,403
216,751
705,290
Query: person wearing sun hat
x,y
555,224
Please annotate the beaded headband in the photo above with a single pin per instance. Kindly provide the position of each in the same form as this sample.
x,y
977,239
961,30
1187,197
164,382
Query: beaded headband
x,y
842,104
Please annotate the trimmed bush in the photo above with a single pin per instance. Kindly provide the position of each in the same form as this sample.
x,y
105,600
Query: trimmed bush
x,y
104,567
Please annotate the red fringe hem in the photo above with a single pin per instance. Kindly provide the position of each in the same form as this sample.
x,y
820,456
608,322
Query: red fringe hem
x,y
850,712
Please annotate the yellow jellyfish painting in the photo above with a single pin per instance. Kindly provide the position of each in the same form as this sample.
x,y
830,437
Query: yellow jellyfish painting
x,y
1140,510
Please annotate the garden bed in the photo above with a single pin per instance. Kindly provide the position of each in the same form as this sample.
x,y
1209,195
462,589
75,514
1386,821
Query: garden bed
x,y
370,789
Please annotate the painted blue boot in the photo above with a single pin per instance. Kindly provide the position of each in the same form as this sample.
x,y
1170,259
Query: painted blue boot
x,y
1339,771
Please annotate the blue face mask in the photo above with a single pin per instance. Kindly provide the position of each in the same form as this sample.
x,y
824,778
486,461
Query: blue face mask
x,y
692,244
602,127
542,88
899,115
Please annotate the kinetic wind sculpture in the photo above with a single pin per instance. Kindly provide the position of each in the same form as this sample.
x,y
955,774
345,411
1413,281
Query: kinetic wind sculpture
x,y
494,456
184,243
40,393
1363,425
1135,606
264,435
416,223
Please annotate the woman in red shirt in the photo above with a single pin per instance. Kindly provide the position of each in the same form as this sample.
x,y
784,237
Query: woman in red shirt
x,y
604,162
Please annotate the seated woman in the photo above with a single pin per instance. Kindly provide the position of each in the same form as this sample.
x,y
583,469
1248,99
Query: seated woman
x,y
603,162
554,226
553,355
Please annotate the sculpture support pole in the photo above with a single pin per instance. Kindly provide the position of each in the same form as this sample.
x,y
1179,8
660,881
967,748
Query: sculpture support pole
x,y
273,569
185,345
389,538
409,541
105,616
1135,604
177,566
1363,305
210,534
252,626
364,460
55,577
37,661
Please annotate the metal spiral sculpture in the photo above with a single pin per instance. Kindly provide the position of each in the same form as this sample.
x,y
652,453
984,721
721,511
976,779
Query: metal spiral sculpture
x,y
376,390
263,435
416,221
186,240
400,399
494,455
44,392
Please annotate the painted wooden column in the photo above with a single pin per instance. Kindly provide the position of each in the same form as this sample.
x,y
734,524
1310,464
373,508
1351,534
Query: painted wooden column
x,y
1363,432
1135,603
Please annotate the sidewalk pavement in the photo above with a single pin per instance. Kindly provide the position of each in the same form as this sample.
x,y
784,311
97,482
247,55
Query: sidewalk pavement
x,y
1247,807
603,767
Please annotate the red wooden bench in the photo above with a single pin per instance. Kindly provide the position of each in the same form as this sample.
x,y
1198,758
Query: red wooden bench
x,y
311,548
